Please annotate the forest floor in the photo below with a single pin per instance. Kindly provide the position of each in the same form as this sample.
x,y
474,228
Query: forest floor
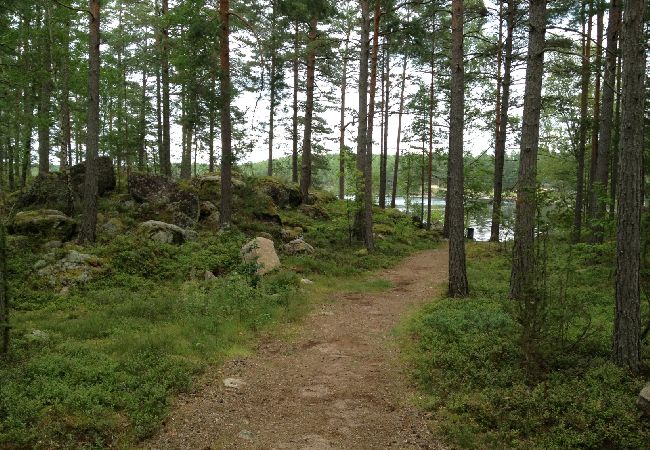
x,y
337,383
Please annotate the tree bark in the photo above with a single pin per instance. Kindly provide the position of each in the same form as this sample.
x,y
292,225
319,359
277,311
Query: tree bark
x,y
294,133
363,202
593,162
342,152
627,321
89,221
502,122
582,139
44,120
226,124
142,147
384,148
65,136
458,286
522,282
617,135
399,134
4,284
606,121
272,86
305,178
165,156
431,100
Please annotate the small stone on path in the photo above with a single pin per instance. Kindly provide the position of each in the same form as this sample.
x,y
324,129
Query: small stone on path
x,y
234,383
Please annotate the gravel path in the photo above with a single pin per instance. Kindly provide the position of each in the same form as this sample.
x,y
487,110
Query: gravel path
x,y
337,385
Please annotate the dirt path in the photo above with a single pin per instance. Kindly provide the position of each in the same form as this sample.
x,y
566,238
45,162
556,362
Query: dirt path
x,y
338,385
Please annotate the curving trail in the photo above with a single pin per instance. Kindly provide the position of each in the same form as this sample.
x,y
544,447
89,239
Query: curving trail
x,y
337,385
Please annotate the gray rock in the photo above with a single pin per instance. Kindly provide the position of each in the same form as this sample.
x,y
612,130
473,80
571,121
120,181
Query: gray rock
x,y
165,193
166,232
298,247
74,257
207,275
113,227
643,402
291,233
40,264
262,251
306,281
44,222
53,244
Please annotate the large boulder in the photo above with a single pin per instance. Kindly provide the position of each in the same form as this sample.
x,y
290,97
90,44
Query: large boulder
x,y
261,251
643,402
298,247
161,192
59,190
73,268
165,232
283,194
44,222
106,180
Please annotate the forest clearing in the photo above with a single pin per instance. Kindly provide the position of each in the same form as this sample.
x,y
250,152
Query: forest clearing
x,y
321,224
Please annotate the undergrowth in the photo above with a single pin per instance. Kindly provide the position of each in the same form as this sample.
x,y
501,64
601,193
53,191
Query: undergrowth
x,y
467,358
98,365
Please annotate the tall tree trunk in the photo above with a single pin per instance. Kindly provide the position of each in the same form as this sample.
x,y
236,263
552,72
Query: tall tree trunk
x,y
65,136
159,130
212,120
27,136
627,321
431,100
142,147
362,200
458,286
342,152
272,86
294,130
87,231
617,134
367,171
383,169
606,122
399,134
593,162
305,176
44,120
522,281
226,125
502,120
582,139
165,155
269,171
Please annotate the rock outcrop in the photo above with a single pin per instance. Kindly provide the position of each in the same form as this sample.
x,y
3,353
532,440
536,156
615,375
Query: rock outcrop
x,y
162,193
298,247
643,402
166,232
48,223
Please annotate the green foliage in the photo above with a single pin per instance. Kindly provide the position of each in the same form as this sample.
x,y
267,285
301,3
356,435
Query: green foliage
x,y
475,376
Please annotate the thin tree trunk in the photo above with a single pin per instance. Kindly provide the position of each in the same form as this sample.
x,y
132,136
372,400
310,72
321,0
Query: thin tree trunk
x,y
87,232
44,100
362,199
431,100
269,171
294,134
165,156
627,320
342,152
458,286
159,130
305,178
582,140
65,136
606,122
4,283
502,121
399,134
142,148
522,282
212,120
368,197
593,162
226,125
617,134
383,169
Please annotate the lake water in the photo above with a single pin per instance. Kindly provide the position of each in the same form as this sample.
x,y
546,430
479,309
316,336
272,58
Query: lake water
x,y
480,218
